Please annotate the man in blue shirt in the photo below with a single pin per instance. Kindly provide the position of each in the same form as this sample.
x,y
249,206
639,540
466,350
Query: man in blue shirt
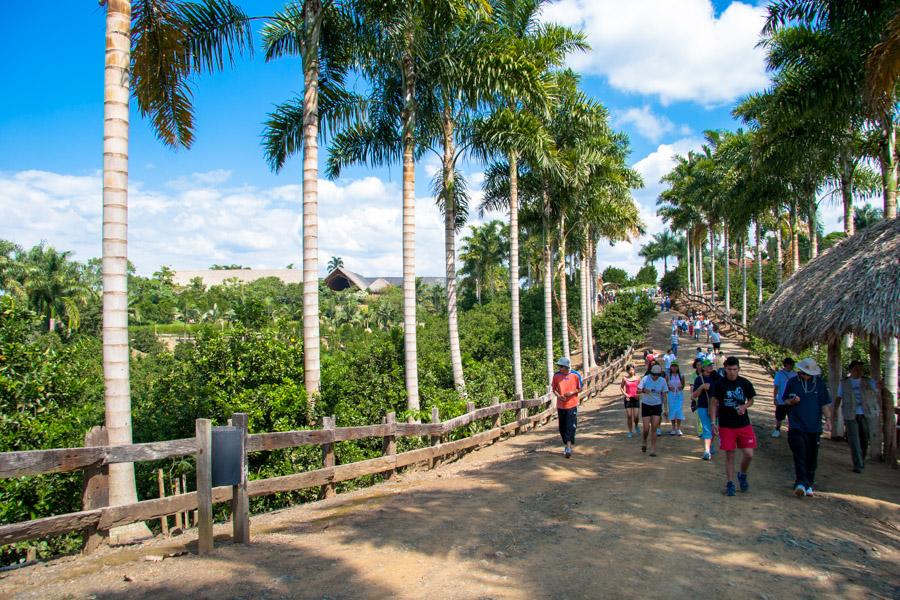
x,y
807,397
785,374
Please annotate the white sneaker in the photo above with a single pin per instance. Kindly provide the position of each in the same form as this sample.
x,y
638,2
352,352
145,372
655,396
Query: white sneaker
x,y
673,432
809,491
799,490
658,431
630,435
776,433
679,433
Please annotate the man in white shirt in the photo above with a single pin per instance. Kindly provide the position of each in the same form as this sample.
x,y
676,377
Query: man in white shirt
x,y
653,389
668,358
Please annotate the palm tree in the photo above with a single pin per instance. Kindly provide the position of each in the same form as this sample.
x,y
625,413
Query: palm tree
x,y
335,263
319,34
866,216
392,43
483,253
515,130
157,48
53,286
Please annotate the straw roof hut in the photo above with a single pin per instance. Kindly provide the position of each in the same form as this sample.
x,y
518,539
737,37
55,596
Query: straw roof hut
x,y
853,287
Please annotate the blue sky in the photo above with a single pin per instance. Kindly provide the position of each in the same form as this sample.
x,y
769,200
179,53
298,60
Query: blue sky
x,y
666,70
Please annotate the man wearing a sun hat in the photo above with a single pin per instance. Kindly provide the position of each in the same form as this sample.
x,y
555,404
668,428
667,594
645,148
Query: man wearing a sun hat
x,y
808,399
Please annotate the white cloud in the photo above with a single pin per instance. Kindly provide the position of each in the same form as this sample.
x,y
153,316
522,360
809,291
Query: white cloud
x,y
675,50
645,122
652,167
193,222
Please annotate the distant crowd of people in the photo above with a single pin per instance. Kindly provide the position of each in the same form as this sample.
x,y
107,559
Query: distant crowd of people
x,y
720,397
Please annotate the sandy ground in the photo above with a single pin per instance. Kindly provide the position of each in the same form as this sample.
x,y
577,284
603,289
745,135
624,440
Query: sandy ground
x,y
517,520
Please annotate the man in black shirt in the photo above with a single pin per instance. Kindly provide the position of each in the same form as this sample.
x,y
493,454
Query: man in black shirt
x,y
730,398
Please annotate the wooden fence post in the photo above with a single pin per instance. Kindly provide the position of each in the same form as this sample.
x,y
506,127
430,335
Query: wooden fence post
x,y
328,457
498,418
240,500
164,520
518,415
95,489
204,486
176,489
389,446
435,439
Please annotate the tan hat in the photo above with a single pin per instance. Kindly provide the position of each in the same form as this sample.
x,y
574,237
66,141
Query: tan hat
x,y
656,370
809,366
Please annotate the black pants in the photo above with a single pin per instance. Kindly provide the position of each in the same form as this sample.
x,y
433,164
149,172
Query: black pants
x,y
858,436
805,447
568,418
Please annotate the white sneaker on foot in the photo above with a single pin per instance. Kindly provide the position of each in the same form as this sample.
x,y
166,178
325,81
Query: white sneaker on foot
x,y
809,491
658,431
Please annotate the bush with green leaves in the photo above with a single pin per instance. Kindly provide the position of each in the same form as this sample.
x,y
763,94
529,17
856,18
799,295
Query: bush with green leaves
x,y
623,323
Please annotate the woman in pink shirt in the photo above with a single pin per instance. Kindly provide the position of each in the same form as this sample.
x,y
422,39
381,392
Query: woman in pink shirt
x,y
632,402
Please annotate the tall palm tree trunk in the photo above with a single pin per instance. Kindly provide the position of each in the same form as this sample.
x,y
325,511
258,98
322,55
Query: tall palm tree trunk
x,y
700,266
591,300
725,242
311,362
743,259
887,158
450,255
687,264
585,342
795,239
409,233
759,282
779,252
811,224
847,193
589,305
514,270
117,390
548,288
712,262
563,296
890,391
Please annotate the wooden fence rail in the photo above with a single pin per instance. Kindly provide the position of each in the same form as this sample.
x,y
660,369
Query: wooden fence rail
x,y
91,459
719,312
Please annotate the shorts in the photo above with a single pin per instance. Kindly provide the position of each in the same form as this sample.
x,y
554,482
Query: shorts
x,y
781,412
651,410
675,407
632,402
705,422
732,438
717,346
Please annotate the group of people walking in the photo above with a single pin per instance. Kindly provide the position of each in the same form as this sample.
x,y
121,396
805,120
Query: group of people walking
x,y
721,399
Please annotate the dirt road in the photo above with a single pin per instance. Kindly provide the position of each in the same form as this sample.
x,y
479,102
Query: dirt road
x,y
517,520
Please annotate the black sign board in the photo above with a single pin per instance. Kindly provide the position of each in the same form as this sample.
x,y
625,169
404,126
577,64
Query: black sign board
x,y
227,458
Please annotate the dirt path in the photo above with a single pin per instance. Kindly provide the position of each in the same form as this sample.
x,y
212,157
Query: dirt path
x,y
517,520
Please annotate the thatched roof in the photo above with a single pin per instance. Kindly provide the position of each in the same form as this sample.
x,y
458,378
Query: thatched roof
x,y
853,287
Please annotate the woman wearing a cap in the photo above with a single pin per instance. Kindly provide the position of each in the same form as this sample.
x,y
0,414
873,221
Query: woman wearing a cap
x,y
653,390
808,398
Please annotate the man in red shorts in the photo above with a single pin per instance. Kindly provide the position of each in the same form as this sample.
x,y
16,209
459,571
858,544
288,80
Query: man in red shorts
x,y
730,397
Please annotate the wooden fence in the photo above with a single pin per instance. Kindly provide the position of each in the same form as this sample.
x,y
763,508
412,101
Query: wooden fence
x,y
97,518
722,318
